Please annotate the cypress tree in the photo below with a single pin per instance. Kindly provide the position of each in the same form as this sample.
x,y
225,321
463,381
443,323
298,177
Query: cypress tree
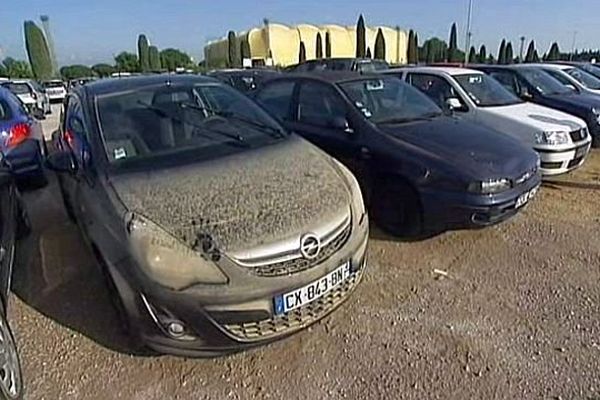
x,y
245,52
143,53
233,50
411,35
302,53
536,56
379,45
509,57
154,59
472,55
453,45
554,53
482,54
327,45
416,48
530,52
319,46
502,52
37,51
368,55
361,41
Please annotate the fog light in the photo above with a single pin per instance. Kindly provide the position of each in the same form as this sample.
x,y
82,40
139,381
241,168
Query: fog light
x,y
176,329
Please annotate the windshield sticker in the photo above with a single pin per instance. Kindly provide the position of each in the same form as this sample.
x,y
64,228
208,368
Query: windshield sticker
x,y
374,85
475,79
119,153
363,109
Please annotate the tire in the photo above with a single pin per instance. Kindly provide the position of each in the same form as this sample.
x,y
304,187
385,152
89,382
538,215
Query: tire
x,y
396,209
11,377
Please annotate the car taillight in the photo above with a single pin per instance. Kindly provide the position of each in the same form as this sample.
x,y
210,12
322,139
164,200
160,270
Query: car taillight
x,y
18,134
34,95
68,136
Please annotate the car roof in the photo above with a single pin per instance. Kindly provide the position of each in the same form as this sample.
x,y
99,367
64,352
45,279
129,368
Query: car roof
x,y
435,70
327,76
551,65
110,85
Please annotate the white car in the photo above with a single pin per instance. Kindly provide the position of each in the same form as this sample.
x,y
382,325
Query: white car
x,y
574,78
56,90
562,140
27,93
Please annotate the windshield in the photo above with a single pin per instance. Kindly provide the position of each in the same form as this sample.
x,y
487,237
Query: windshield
x,y
53,84
544,82
389,100
586,79
485,91
170,120
17,88
372,66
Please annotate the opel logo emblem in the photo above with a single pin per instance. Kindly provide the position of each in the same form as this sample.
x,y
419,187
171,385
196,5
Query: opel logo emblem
x,y
310,246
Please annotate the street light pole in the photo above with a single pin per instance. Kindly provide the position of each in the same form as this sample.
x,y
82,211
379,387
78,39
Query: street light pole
x,y
573,45
468,34
522,47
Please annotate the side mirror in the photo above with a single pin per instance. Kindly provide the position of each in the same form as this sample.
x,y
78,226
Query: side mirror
x,y
340,123
38,113
61,162
571,87
453,103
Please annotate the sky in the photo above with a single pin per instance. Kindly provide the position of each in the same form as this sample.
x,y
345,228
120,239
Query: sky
x,y
93,31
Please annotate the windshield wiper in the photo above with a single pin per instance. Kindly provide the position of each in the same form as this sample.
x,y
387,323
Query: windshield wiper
x,y
275,132
424,117
236,137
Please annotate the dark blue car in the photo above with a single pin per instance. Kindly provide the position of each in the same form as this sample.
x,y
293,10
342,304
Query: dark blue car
x,y
421,171
21,139
536,85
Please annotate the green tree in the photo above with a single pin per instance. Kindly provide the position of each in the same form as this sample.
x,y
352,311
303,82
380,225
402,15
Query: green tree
x,y
553,53
416,47
361,41
17,68
127,62
482,54
154,58
379,45
245,50
530,52
472,55
302,52
3,72
234,52
368,54
319,46
413,46
502,52
69,72
536,56
509,56
171,59
453,45
143,53
437,50
103,70
37,51
327,45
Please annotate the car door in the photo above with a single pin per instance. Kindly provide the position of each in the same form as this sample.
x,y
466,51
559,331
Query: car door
x,y
7,232
322,116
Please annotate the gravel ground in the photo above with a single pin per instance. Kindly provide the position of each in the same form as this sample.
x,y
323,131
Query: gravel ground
x,y
515,315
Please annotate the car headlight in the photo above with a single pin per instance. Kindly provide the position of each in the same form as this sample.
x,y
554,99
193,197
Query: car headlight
x,y
490,186
358,204
596,115
552,137
167,260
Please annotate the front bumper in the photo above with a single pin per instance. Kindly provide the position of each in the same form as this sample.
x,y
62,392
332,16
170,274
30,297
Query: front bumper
x,y
223,319
461,210
556,162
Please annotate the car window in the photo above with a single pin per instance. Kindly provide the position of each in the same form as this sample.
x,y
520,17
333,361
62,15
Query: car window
x,y
17,88
585,78
506,79
485,91
543,83
318,104
435,87
5,112
276,97
559,77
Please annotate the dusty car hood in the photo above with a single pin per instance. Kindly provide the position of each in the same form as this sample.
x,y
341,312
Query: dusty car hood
x,y
539,117
241,201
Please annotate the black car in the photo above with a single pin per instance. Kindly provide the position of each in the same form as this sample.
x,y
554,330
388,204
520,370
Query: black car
x,y
420,170
536,85
14,224
244,80
216,230
362,65
591,68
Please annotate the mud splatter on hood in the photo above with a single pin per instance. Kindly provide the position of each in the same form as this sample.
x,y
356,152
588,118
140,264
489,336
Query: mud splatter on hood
x,y
241,201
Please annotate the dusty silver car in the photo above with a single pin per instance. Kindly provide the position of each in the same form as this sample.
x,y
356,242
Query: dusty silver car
x,y
216,229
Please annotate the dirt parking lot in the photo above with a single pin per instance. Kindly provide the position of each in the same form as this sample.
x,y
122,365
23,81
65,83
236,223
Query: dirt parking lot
x,y
516,317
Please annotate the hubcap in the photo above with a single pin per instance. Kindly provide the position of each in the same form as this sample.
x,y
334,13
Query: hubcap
x,y
10,373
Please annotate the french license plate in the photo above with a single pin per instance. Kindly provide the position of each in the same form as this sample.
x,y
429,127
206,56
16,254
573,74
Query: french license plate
x,y
526,197
301,297
580,152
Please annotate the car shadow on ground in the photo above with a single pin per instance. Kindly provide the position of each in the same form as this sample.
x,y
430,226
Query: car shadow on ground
x,y
556,184
56,274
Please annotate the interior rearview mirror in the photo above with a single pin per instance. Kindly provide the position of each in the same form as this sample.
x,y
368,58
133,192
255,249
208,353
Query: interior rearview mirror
x,y
453,103
61,161
525,94
38,113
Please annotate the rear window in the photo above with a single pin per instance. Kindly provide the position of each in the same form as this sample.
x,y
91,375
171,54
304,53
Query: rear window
x,y
53,84
17,88
276,97
5,112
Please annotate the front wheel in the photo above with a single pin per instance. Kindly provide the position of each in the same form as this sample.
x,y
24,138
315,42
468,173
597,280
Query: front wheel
x,y
396,209
11,378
